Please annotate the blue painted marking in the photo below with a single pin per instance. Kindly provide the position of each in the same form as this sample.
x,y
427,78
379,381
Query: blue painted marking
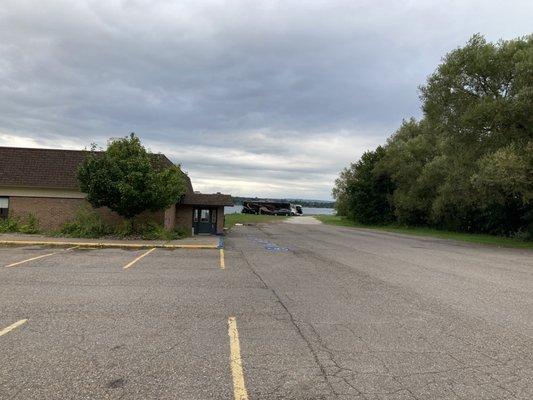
x,y
220,243
276,248
268,245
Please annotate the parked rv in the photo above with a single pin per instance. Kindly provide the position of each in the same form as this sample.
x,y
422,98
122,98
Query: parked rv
x,y
267,208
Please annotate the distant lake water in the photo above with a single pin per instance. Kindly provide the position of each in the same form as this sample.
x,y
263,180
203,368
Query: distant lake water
x,y
306,210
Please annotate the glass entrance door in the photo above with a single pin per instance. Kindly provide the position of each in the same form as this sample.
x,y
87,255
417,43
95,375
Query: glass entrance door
x,y
205,220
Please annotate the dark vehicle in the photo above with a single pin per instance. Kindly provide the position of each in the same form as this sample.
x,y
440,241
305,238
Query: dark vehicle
x,y
283,211
266,208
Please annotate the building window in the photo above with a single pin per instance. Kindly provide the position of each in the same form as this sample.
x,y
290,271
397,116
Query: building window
x,y
204,216
4,207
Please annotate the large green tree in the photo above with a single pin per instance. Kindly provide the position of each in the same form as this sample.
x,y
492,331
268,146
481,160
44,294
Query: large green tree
x,y
479,105
468,163
340,190
409,159
362,192
128,179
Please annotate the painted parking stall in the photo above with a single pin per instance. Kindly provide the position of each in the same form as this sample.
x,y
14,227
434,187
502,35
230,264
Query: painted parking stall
x,y
298,311
91,307
35,258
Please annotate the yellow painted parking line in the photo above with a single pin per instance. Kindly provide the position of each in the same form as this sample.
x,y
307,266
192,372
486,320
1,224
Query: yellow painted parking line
x,y
138,258
222,261
14,326
38,257
239,389
31,259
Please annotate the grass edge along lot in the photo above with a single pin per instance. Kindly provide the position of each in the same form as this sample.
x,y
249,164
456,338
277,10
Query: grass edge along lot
x,y
419,231
232,219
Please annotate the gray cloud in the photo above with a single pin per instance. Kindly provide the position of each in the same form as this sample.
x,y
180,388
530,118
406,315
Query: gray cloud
x,y
261,98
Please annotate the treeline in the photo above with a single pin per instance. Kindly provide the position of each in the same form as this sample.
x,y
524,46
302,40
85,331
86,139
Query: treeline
x,y
303,202
467,165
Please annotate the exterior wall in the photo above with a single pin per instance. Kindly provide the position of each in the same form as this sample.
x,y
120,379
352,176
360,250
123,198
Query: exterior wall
x,y
54,207
41,192
147,216
52,212
170,218
220,220
184,217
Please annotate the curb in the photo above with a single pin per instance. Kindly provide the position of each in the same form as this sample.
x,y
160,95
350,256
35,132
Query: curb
x,y
109,245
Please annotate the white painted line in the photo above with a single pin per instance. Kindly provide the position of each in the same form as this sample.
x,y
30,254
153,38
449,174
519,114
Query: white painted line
x,y
14,326
30,259
38,257
138,258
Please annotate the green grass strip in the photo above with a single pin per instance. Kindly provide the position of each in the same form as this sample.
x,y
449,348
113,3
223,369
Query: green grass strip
x,y
419,231
232,219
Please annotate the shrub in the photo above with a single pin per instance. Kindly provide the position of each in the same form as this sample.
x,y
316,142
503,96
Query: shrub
x,y
153,231
31,226
182,232
9,225
148,231
87,223
124,229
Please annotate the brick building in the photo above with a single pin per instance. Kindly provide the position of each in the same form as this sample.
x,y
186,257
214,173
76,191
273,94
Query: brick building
x,y
43,182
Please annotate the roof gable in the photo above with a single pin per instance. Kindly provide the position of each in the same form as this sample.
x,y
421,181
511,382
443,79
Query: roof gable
x,y
50,168
202,199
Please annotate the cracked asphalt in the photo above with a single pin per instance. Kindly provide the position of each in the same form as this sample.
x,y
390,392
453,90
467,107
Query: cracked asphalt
x,y
368,315
323,313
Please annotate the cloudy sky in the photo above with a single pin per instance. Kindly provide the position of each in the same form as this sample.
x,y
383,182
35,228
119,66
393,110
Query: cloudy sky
x,y
266,98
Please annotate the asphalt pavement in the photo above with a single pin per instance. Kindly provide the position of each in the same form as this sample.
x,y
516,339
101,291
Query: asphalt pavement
x,y
286,311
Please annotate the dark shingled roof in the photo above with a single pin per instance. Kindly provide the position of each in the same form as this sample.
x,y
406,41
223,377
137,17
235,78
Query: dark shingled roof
x,y
39,167
200,199
49,168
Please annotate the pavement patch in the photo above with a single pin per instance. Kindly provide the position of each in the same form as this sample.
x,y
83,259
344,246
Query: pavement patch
x,y
116,384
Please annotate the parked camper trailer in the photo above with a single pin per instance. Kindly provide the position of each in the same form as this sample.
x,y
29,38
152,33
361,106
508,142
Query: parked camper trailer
x,y
269,208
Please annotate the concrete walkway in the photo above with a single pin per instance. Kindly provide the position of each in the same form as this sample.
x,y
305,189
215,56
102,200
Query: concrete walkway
x,y
195,242
303,220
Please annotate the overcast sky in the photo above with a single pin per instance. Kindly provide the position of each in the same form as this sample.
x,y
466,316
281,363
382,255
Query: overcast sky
x,y
261,98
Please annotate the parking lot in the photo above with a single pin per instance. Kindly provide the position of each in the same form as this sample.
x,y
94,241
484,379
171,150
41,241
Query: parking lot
x,y
283,312
97,330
